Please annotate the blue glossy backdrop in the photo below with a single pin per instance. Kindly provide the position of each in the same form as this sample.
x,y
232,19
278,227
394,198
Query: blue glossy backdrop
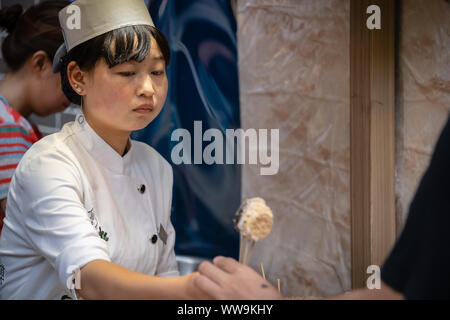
x,y
203,86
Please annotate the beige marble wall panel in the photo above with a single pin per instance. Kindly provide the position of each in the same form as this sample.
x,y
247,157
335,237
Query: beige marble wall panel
x,y
294,76
423,92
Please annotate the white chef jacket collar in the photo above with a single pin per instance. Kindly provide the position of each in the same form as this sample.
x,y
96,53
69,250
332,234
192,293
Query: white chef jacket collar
x,y
98,147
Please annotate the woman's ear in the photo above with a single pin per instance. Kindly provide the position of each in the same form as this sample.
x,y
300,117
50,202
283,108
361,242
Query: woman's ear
x,y
77,78
39,62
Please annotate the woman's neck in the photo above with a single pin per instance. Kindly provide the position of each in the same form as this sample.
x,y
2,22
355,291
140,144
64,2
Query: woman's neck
x,y
118,140
13,88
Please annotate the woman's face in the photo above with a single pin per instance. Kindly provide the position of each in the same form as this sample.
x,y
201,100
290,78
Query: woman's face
x,y
47,96
128,96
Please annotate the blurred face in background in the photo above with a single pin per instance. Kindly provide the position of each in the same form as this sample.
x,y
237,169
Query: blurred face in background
x,y
46,95
32,39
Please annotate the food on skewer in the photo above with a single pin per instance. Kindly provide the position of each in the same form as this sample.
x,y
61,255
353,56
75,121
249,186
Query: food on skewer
x,y
254,221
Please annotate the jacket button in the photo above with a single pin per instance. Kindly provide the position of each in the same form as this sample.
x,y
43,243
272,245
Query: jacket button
x,y
154,238
141,188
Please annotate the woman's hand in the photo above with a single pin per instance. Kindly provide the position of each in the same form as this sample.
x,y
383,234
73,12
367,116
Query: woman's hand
x,y
227,279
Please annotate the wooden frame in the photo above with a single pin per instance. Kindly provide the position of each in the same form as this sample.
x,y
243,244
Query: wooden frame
x,y
372,137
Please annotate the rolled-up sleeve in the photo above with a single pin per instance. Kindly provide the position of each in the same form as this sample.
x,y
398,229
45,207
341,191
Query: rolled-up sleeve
x,y
48,191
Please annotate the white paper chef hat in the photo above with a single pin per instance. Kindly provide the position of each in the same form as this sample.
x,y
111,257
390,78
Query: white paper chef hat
x,y
86,19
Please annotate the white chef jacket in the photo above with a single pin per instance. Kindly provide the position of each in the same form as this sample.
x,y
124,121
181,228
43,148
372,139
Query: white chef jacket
x,y
72,200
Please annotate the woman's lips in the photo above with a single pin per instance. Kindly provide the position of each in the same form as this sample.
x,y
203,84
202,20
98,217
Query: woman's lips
x,y
144,109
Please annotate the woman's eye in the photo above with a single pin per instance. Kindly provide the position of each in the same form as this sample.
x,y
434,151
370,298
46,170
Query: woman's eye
x,y
126,74
157,73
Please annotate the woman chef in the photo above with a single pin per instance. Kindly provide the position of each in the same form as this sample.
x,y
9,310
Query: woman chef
x,y
88,213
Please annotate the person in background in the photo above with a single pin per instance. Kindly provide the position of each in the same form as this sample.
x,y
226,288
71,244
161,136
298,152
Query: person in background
x,y
29,86
417,267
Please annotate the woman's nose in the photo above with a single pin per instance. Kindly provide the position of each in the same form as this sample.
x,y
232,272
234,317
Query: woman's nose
x,y
146,88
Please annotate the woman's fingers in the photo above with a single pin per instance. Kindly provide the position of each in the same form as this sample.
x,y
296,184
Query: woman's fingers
x,y
206,285
229,265
212,272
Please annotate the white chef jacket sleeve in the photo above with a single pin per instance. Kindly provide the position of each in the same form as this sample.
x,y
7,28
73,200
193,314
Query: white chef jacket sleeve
x,y
167,264
55,222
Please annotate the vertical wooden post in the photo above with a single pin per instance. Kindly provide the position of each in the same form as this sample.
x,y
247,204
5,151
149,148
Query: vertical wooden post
x,y
372,137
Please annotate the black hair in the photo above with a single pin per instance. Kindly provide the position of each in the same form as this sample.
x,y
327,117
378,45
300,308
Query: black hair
x,y
88,53
36,29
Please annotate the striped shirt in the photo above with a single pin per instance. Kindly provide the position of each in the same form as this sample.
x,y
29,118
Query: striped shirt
x,y
16,137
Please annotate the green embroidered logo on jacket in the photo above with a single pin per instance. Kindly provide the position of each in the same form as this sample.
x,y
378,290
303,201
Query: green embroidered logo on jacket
x,y
103,235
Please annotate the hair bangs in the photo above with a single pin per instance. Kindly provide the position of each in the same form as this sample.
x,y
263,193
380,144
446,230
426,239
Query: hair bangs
x,y
131,43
